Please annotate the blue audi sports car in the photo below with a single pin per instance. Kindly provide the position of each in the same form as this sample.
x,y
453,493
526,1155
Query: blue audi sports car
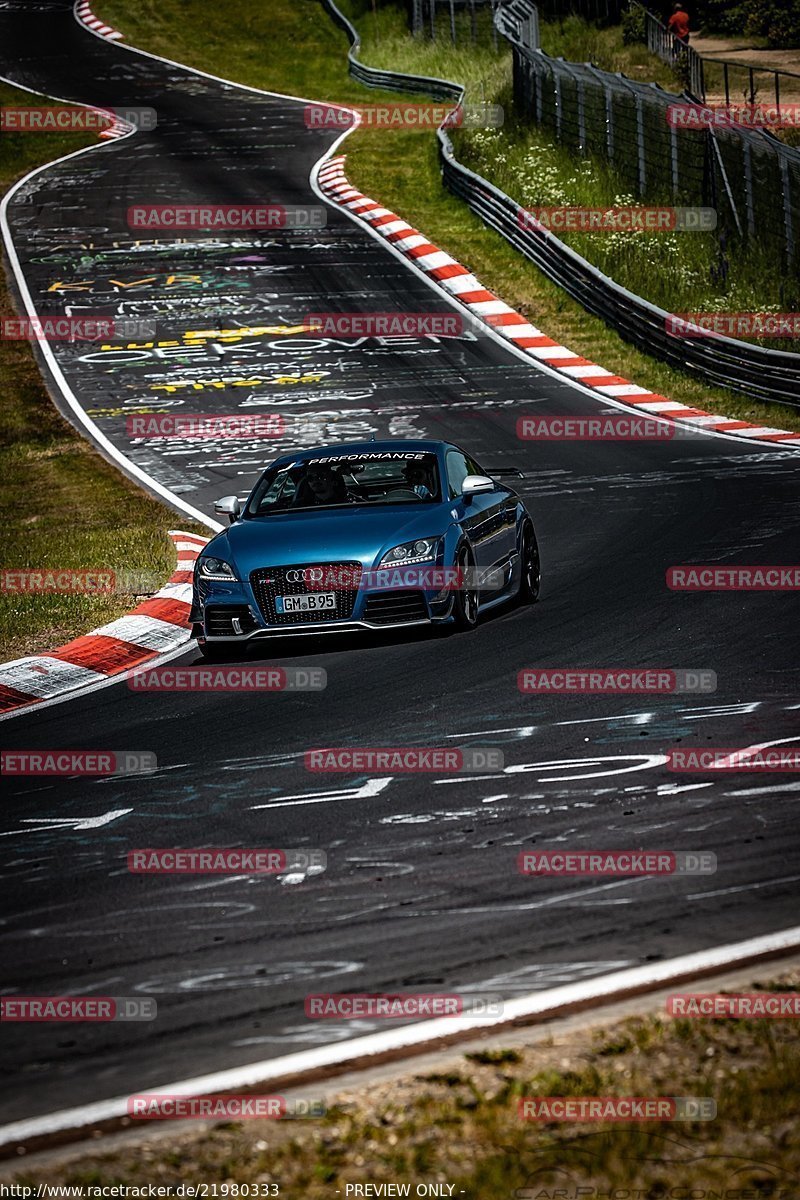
x,y
371,535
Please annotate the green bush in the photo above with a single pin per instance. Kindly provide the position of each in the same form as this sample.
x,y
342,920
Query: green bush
x,y
784,29
777,20
633,26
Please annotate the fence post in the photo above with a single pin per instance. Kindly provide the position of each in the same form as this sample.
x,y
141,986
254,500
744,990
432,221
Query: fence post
x,y
724,177
610,123
640,143
580,98
787,209
642,161
673,145
557,79
531,89
533,29
538,76
608,96
581,116
748,188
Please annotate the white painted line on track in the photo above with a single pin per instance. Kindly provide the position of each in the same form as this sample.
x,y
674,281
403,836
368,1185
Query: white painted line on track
x,y
596,991
440,288
109,681
95,436
588,992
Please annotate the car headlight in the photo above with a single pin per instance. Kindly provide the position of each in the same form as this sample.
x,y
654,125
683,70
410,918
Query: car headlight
x,y
421,550
214,568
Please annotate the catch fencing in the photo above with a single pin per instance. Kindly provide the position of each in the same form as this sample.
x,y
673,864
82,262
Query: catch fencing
x,y
749,176
717,79
457,19
756,371
670,49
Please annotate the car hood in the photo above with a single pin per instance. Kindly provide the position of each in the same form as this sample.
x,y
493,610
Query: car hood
x,y
328,535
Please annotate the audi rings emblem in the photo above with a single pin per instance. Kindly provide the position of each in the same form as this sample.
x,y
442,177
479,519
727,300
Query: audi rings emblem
x,y
305,575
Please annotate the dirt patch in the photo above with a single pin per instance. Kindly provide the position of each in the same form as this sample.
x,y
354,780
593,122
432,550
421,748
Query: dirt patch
x,y
775,60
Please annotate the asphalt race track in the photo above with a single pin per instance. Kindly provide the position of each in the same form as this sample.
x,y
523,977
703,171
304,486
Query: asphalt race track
x,y
421,890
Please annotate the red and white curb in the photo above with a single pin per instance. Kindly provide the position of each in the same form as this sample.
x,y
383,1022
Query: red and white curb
x,y
484,305
157,625
86,17
117,130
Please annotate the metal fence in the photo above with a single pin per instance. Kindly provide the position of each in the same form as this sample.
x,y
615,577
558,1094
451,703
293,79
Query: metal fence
x,y
750,177
740,83
670,49
518,22
602,11
753,370
718,78
458,19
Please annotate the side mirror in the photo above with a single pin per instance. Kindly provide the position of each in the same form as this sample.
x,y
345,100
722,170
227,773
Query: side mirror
x,y
475,485
228,506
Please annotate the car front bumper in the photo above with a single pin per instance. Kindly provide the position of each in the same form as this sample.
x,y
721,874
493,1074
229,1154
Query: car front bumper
x,y
240,611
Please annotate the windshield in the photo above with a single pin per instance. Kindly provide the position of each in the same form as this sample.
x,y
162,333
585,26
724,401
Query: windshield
x,y
342,480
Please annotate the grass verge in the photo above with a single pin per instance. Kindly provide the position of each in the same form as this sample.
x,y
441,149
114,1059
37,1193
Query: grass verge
x,y
291,46
678,272
62,505
577,40
459,1125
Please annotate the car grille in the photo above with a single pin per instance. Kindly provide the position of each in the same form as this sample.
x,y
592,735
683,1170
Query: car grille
x,y
269,582
219,621
392,608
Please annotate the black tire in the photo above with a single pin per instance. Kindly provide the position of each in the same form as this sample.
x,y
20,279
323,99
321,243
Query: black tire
x,y
531,567
465,602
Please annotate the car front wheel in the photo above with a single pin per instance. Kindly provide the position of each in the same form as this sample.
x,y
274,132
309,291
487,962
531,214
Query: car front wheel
x,y
531,567
465,608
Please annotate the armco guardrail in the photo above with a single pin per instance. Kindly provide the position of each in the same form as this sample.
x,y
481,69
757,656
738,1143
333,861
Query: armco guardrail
x,y
760,373
753,370
390,81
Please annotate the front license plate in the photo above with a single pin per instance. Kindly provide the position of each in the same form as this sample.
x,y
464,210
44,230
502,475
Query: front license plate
x,y
311,602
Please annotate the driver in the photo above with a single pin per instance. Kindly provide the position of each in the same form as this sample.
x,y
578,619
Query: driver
x,y
418,480
322,486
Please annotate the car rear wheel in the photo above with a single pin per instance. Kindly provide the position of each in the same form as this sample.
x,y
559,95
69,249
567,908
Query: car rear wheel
x,y
465,607
531,567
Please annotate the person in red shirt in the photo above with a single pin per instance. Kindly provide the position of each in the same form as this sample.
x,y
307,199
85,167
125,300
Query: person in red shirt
x,y
679,23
